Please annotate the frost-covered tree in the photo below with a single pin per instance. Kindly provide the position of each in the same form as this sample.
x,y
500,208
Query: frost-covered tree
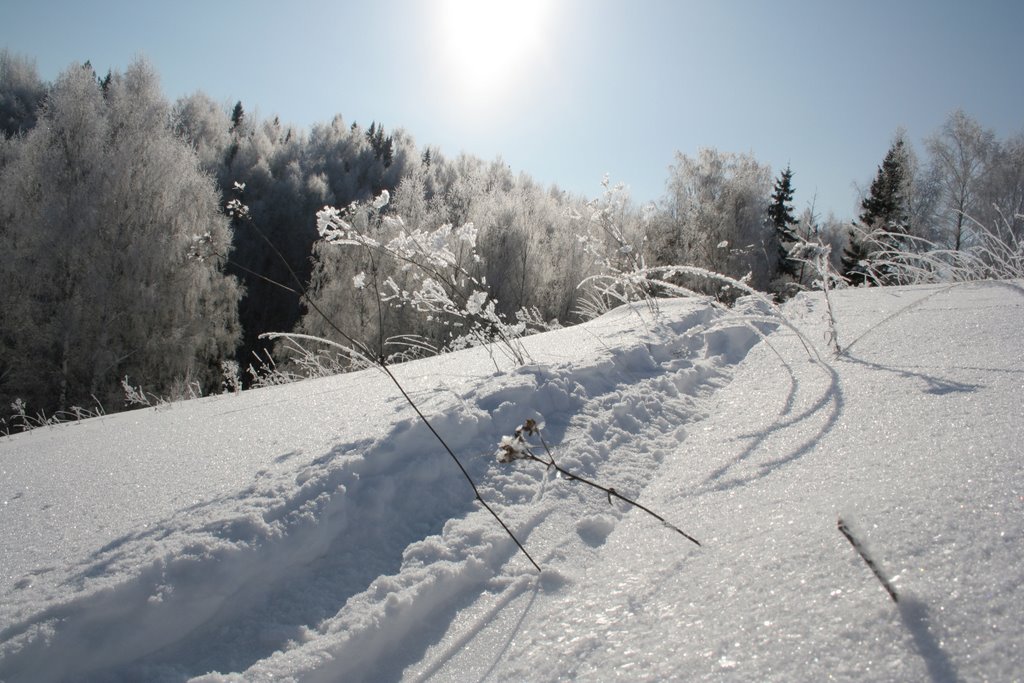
x,y
961,153
21,93
206,126
1001,193
101,209
715,216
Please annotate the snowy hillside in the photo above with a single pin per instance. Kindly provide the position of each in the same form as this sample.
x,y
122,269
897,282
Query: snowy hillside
x,y
316,532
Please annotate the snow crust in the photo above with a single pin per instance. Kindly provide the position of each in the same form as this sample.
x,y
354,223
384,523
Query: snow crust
x,y
316,532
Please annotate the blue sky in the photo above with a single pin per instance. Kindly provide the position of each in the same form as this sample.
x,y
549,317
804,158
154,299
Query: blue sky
x,y
568,90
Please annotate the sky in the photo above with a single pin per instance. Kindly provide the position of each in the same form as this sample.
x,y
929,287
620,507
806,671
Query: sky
x,y
570,90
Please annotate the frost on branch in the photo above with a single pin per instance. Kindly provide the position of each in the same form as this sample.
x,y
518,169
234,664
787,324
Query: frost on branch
x,y
516,447
510,449
432,271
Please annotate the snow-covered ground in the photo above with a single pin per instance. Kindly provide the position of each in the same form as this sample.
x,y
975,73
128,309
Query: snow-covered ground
x,y
316,532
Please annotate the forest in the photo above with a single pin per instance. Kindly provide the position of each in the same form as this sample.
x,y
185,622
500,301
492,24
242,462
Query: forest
x,y
148,246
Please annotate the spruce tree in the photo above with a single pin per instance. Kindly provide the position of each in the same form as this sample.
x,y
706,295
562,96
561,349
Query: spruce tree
x,y
237,116
885,206
855,257
780,217
884,209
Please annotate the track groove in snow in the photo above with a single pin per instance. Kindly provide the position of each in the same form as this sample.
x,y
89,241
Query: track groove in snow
x,y
249,576
590,414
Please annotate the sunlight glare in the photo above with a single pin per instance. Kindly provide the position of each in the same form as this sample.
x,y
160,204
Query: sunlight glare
x,y
489,45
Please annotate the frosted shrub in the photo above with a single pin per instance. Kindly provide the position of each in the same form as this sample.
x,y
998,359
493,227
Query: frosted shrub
x,y
626,278
818,257
232,376
183,388
994,253
440,283
135,396
21,420
304,362
618,257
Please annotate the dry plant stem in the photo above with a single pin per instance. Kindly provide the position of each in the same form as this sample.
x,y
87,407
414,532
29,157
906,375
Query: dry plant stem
x,y
381,363
610,492
845,531
447,448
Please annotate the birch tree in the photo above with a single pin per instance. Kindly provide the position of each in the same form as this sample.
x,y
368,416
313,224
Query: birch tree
x,y
100,211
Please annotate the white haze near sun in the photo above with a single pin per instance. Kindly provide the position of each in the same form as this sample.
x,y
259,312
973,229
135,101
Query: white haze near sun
x,y
489,48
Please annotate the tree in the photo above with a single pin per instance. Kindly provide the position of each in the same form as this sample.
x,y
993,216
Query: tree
x,y
885,206
780,217
101,208
204,124
856,254
714,216
883,210
961,153
21,94
1001,192
237,117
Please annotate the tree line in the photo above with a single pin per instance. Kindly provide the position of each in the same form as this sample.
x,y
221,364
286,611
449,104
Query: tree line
x,y
120,259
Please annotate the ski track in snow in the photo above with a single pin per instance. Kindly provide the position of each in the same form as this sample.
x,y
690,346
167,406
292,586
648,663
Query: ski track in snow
x,y
374,546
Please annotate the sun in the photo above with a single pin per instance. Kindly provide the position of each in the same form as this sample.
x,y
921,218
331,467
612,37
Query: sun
x,y
490,45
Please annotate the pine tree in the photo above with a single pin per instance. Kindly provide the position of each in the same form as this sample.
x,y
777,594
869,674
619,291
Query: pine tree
x,y
781,219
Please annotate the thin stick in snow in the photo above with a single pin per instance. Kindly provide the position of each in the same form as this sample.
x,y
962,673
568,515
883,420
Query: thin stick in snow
x,y
516,447
845,531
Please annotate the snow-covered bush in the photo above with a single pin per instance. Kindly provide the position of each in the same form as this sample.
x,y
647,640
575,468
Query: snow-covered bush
x,y
181,389
618,254
817,257
304,361
433,273
993,253
625,277
22,420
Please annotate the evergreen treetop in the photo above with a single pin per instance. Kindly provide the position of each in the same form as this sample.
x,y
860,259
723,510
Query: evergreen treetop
x,y
780,211
885,207
781,219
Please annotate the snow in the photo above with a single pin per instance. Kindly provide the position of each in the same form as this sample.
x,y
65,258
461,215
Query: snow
x,y
316,532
